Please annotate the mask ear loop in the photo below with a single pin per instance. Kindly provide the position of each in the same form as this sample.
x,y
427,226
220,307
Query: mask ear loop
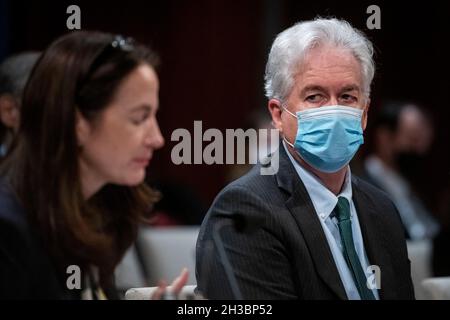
x,y
285,140
286,109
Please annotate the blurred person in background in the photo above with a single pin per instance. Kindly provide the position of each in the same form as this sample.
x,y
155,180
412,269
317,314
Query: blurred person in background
x,y
402,134
71,188
14,74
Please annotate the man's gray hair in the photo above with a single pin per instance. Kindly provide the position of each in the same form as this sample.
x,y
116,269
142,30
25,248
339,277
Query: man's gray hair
x,y
292,45
15,71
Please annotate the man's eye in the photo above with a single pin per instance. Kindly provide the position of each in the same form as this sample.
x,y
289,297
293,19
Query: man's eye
x,y
349,98
313,98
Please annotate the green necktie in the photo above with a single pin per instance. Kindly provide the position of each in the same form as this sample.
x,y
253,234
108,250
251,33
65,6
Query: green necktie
x,y
345,229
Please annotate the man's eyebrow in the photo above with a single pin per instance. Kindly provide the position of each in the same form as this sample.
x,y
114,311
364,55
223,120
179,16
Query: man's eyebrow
x,y
311,88
347,88
351,87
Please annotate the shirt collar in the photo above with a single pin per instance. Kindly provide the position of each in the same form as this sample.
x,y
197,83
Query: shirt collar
x,y
324,200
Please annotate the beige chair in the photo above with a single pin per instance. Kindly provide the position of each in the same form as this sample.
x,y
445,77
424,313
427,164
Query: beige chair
x,y
437,288
419,252
165,251
187,293
129,273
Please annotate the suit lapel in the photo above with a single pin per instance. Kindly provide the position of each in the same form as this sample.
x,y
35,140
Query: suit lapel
x,y
302,209
375,243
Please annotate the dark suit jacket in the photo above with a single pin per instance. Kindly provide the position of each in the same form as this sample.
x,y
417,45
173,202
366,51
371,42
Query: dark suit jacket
x,y
26,270
287,256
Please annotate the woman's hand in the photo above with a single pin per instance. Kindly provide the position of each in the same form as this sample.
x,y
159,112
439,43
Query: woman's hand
x,y
174,289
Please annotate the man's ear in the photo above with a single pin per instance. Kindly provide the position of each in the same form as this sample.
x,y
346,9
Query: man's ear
x,y
274,106
365,115
83,129
9,111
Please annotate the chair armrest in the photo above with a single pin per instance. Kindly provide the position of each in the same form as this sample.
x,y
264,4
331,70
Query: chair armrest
x,y
187,293
437,288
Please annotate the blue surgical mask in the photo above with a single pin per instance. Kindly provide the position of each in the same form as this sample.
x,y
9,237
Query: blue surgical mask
x,y
328,137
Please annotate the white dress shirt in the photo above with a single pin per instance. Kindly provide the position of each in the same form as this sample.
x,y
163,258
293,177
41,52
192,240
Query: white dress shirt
x,y
324,202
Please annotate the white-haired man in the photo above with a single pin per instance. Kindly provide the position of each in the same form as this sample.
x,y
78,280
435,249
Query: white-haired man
x,y
320,232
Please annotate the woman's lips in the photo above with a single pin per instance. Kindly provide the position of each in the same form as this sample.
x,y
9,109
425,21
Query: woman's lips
x,y
142,161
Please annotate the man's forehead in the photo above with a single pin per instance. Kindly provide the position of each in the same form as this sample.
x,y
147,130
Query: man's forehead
x,y
328,53
327,57
340,78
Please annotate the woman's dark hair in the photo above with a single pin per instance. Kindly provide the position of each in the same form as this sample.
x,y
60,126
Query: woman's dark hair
x,y
79,72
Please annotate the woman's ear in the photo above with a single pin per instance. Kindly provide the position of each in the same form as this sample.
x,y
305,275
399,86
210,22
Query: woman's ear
x,y
83,129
